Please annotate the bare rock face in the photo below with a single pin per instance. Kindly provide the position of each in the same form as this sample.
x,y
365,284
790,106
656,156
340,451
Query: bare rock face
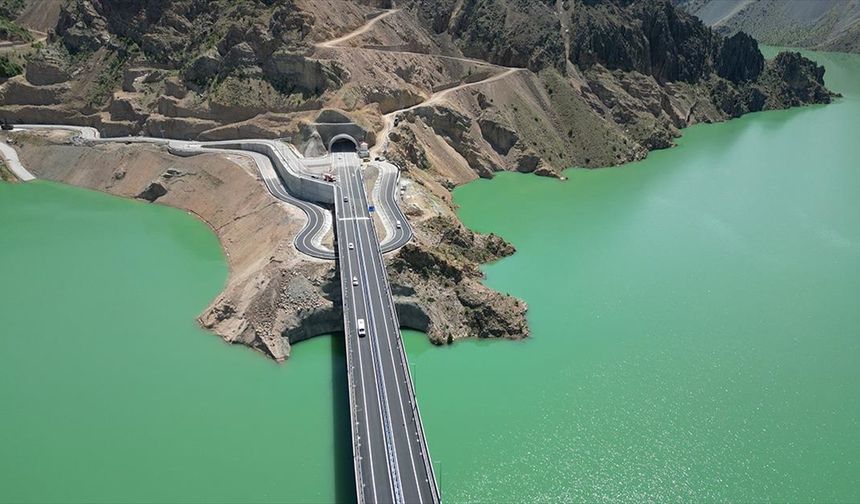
x,y
739,59
436,282
295,71
391,99
507,32
124,109
177,127
82,28
454,127
797,80
413,154
240,55
649,36
332,116
204,67
46,69
174,88
527,163
152,192
18,91
498,135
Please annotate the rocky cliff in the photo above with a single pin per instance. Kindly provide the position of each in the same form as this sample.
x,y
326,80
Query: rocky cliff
x,y
827,25
452,90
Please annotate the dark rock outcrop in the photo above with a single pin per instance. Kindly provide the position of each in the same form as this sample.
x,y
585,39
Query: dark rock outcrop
x,y
739,59
797,80
521,33
649,36
499,136
154,191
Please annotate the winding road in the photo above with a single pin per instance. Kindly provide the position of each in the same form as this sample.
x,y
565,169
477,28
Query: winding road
x,y
391,458
319,218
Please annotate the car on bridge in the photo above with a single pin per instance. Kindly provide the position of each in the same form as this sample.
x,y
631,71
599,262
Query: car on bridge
x,y
362,330
351,246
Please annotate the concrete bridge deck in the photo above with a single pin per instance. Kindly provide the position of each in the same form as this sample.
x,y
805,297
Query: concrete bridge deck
x,y
392,463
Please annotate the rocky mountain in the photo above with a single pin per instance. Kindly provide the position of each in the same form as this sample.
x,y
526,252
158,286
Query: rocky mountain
x,y
828,25
450,90
597,82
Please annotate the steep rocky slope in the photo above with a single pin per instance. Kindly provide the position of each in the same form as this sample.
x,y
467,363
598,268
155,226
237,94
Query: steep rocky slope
x,y
451,90
828,25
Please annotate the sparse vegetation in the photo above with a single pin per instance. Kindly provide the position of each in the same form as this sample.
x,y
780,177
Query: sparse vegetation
x,y
10,9
9,30
6,174
108,80
9,68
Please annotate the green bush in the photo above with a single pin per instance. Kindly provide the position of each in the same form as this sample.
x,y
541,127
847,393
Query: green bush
x,y
10,9
9,68
9,30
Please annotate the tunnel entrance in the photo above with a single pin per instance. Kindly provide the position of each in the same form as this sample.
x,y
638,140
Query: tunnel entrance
x,y
343,143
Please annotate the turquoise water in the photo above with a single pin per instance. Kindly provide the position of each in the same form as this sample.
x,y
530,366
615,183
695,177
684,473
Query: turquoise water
x,y
694,318
109,390
694,339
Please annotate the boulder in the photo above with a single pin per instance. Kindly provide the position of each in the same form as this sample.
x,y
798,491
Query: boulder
x,y
173,87
124,109
44,70
204,67
239,56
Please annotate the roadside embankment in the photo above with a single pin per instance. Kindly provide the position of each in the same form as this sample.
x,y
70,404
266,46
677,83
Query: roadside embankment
x,y
276,296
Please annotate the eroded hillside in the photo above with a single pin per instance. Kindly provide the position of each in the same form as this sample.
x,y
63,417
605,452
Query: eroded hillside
x,y
827,25
450,90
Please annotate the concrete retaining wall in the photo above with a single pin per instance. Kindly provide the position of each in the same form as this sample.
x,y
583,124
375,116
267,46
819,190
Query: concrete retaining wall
x,y
303,187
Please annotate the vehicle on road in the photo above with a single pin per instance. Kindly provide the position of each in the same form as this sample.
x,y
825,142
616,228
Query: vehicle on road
x,y
345,199
355,281
351,246
398,225
362,331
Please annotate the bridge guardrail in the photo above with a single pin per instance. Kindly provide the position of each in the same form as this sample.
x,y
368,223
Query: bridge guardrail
x,y
428,464
356,446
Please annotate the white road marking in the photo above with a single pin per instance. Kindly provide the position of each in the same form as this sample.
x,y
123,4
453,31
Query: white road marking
x,y
383,296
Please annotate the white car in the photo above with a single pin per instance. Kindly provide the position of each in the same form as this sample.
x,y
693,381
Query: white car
x,y
355,281
398,225
345,199
351,246
361,329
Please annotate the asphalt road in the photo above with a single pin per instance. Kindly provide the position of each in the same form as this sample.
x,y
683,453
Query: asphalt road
x,y
392,462
391,459
308,239
387,205
319,218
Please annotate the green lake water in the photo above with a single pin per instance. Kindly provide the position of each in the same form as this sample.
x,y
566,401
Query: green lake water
x,y
109,391
694,326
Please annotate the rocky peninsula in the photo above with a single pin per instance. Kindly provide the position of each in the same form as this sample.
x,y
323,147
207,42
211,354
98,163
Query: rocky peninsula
x,y
450,90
